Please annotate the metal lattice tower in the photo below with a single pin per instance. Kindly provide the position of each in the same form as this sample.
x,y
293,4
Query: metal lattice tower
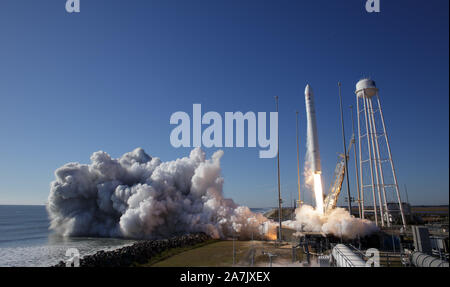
x,y
378,181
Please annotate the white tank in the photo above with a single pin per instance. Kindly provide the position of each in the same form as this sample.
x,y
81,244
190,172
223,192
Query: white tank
x,y
366,87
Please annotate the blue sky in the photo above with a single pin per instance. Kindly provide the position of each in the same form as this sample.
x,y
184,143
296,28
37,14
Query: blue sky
x,y
109,78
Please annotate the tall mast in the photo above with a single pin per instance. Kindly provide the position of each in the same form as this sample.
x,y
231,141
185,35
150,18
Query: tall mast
x,y
279,187
299,202
356,165
345,152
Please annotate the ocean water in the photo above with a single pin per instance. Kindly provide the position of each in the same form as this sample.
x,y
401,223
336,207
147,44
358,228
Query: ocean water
x,y
25,239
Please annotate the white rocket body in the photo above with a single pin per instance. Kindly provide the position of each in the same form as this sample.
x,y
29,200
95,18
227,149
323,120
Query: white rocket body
x,y
313,139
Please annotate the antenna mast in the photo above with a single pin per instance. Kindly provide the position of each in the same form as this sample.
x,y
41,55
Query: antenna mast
x,y
299,202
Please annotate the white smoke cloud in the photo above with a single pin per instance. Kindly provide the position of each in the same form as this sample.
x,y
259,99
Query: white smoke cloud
x,y
137,196
337,222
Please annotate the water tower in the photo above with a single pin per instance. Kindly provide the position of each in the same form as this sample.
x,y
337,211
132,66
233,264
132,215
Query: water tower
x,y
378,181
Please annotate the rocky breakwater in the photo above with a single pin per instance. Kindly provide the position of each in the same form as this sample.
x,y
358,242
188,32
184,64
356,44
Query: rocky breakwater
x,y
140,252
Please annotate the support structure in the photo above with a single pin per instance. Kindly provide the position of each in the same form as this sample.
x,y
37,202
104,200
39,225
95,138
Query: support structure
x,y
279,185
373,162
345,152
353,141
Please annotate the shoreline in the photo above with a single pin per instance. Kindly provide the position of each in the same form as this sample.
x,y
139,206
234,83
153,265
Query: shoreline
x,y
138,253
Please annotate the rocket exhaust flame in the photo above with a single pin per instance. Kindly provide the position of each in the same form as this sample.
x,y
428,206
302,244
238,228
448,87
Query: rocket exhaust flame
x,y
318,192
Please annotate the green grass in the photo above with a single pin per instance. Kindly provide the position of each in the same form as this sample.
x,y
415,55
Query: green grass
x,y
219,253
172,252
429,208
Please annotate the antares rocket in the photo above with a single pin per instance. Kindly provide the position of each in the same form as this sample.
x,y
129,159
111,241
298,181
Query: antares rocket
x,y
313,140
313,148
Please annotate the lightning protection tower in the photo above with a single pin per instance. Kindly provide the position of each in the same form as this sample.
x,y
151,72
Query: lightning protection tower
x,y
378,181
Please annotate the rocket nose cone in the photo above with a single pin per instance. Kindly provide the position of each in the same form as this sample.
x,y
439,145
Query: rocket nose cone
x,y
308,90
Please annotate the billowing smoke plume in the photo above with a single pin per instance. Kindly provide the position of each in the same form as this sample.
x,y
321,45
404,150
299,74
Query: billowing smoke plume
x,y
337,222
137,196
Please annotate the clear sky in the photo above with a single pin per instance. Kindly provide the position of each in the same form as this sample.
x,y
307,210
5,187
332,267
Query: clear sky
x,y
110,77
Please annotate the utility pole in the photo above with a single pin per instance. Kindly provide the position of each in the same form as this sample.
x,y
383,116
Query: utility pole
x,y
409,205
299,202
234,250
345,151
356,164
279,187
407,198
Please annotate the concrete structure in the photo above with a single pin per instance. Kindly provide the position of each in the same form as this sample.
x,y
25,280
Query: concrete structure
x,y
375,157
